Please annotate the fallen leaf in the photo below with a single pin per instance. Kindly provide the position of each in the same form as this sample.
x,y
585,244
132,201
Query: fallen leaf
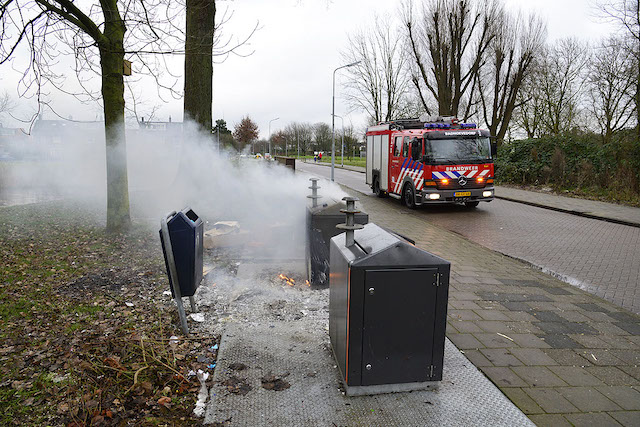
x,y
165,401
144,387
91,404
114,362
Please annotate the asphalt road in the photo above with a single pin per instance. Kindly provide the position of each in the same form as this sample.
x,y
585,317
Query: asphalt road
x,y
597,256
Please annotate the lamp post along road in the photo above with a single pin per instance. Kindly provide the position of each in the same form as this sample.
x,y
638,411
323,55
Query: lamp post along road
x,y
272,120
333,118
342,147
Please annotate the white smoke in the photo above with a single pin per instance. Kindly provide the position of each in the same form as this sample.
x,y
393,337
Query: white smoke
x,y
170,171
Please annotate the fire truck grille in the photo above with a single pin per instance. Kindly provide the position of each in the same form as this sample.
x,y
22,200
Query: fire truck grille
x,y
454,185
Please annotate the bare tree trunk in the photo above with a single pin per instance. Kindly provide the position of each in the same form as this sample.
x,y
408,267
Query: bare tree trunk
x,y
112,65
638,91
447,40
198,65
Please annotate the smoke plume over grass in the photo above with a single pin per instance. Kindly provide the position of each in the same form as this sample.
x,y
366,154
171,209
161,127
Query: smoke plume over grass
x,y
169,171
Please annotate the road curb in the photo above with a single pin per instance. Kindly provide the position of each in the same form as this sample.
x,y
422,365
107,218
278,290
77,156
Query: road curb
x,y
569,211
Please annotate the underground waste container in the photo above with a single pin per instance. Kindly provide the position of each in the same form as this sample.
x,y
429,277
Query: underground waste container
x,y
387,312
321,227
185,233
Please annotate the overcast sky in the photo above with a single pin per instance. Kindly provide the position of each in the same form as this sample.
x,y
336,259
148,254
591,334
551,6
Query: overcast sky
x,y
295,51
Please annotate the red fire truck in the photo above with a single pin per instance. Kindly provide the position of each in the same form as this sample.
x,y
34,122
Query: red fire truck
x,y
429,162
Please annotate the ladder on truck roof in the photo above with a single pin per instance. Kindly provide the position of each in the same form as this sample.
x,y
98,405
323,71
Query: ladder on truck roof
x,y
400,124
418,123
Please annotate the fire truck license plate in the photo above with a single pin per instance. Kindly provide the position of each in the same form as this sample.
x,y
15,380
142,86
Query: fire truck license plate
x,y
462,194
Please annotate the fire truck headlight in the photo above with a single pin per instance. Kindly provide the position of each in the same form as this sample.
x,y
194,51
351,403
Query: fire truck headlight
x,y
487,193
434,196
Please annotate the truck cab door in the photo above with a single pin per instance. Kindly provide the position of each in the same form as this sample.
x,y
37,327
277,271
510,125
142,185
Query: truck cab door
x,y
395,163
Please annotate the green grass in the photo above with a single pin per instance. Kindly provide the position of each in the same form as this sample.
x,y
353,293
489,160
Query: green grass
x,y
13,401
19,309
87,309
353,161
15,409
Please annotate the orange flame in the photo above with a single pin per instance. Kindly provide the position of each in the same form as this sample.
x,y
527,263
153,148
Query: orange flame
x,y
306,282
288,280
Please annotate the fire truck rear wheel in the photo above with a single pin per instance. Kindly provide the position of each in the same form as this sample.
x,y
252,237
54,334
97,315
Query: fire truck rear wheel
x,y
408,197
376,188
471,205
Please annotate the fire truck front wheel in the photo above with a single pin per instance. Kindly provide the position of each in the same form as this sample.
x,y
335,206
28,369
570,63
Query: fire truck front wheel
x,y
409,196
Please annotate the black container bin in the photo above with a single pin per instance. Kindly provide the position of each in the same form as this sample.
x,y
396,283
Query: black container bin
x,y
186,233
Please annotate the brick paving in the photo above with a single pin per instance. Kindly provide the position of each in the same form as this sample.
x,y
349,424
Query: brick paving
x,y
589,208
562,355
598,256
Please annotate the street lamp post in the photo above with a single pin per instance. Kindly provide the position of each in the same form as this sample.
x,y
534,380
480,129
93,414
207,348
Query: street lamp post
x,y
333,118
342,147
272,120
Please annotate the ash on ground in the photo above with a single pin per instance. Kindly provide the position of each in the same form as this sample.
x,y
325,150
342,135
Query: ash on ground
x,y
241,288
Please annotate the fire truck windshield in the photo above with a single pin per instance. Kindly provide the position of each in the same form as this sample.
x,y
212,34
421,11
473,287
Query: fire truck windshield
x,y
461,150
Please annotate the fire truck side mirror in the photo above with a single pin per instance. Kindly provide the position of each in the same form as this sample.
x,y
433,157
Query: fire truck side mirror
x,y
416,150
494,148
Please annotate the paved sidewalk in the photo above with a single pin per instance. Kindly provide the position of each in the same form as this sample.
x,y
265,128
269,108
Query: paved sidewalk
x,y
627,215
563,356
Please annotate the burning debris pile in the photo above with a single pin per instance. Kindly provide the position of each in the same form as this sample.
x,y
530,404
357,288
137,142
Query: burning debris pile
x,y
290,281
256,275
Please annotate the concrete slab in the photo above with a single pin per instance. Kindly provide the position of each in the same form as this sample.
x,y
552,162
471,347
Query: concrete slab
x,y
299,353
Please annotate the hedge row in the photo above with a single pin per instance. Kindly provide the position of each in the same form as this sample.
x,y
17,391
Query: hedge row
x,y
574,161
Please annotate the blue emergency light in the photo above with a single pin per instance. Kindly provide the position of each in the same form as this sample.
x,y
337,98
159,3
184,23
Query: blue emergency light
x,y
437,126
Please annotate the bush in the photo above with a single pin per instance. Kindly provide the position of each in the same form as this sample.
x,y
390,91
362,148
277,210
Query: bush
x,y
574,161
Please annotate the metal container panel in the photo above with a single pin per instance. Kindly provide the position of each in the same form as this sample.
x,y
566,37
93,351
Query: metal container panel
x,y
398,329
394,265
339,314
321,227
